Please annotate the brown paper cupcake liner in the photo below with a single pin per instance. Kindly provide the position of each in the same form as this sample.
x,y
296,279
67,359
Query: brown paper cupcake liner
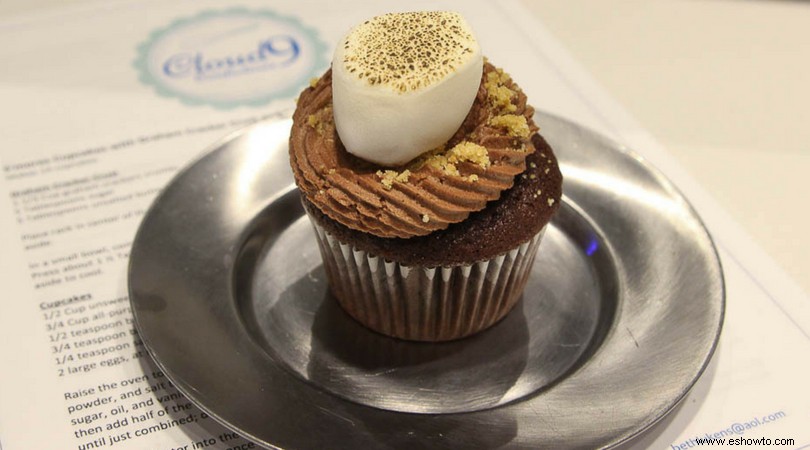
x,y
425,303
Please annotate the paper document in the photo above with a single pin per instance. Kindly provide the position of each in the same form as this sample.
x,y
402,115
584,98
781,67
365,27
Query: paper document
x,y
102,104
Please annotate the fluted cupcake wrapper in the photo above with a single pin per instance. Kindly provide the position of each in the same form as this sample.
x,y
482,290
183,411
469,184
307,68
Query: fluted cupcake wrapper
x,y
425,303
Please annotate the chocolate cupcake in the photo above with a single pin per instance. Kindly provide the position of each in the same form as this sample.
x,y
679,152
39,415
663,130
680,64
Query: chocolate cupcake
x,y
422,172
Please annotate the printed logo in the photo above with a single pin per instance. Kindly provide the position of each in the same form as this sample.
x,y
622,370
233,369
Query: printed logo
x,y
231,58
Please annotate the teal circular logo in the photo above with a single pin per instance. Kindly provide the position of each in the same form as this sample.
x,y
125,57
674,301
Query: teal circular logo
x,y
231,58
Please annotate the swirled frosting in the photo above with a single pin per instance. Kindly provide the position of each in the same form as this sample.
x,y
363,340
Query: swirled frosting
x,y
427,194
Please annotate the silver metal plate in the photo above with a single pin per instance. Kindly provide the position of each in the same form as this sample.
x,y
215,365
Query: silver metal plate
x,y
620,317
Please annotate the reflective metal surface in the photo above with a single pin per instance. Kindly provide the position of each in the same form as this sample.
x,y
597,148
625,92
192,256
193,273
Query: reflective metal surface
x,y
620,316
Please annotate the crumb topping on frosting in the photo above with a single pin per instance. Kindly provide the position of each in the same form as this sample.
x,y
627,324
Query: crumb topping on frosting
x,y
513,124
499,94
388,177
408,51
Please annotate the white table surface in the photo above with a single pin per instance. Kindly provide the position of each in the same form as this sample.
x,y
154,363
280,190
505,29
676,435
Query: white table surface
x,y
724,85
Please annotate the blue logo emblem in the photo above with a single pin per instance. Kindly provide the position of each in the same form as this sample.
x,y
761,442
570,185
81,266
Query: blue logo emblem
x,y
231,58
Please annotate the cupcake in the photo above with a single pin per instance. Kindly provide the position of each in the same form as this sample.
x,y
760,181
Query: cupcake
x,y
426,182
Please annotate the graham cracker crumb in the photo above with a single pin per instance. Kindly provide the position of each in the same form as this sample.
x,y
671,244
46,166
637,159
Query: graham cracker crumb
x,y
468,151
515,125
499,95
388,177
445,161
403,176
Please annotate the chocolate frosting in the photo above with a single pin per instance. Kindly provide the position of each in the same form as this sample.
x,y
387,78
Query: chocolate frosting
x,y
520,213
420,197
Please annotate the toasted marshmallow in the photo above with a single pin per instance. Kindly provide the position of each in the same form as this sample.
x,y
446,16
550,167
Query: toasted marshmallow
x,y
403,83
